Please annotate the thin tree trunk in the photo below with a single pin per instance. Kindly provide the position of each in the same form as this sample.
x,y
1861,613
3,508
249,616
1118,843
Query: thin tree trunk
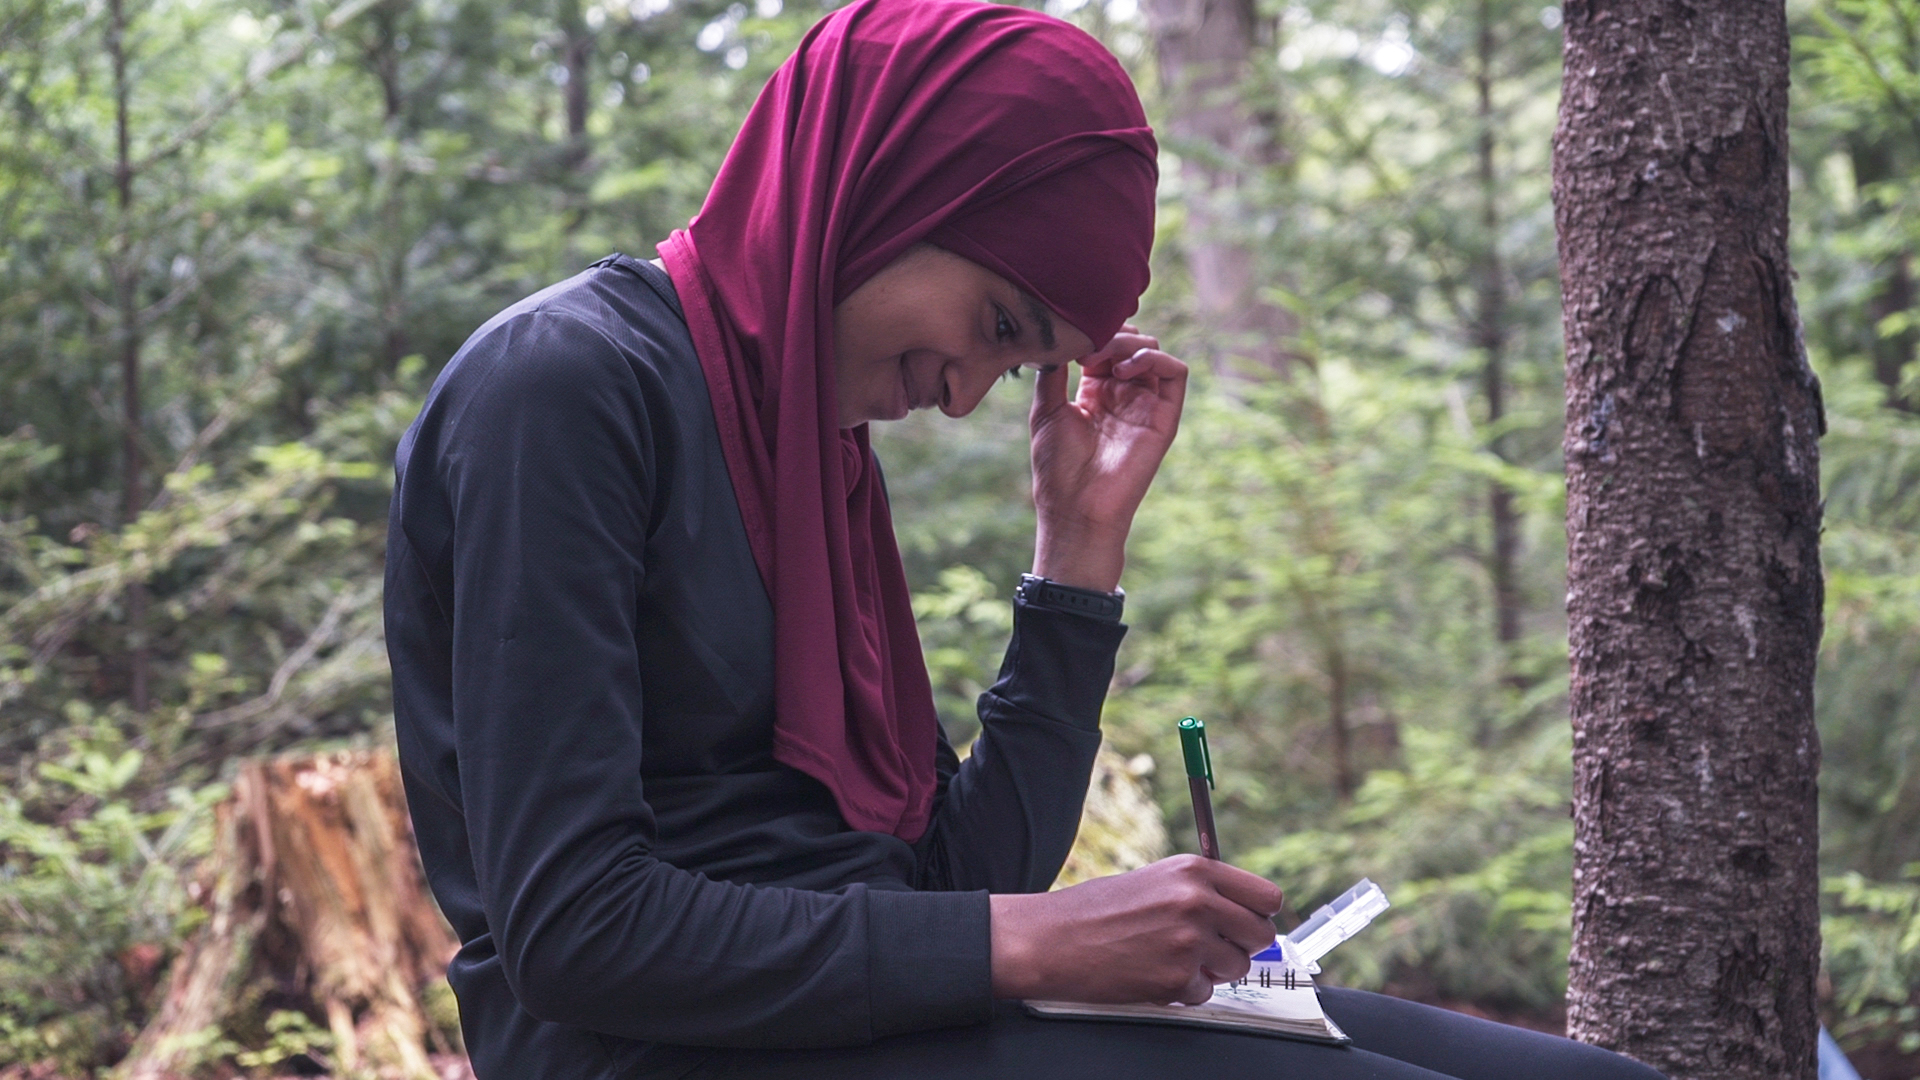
x,y
1204,49
127,301
1693,521
1894,353
1324,623
1338,690
1873,164
577,55
1490,335
383,60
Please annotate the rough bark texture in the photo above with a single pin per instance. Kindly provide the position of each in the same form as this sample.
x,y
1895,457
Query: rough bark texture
x,y
1693,520
1204,49
316,903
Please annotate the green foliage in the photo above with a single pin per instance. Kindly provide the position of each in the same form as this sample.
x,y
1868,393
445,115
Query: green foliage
x,y
94,898
290,1034
1476,852
262,626
1872,936
1868,704
963,620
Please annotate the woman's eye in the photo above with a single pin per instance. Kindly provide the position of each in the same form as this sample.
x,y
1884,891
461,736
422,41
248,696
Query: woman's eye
x,y
1003,328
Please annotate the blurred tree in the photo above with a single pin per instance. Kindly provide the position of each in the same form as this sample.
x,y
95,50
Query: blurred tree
x,y
1490,335
1693,517
1225,125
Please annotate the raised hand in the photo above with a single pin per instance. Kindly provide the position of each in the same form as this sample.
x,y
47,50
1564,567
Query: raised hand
x,y
1165,932
1094,455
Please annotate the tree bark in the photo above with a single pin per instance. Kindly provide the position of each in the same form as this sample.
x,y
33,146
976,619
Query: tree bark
x,y
1204,49
1693,521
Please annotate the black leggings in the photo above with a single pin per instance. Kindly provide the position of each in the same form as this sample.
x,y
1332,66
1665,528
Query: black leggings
x,y
1392,1040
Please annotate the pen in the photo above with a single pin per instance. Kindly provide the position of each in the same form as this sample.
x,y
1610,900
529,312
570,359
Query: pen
x,y
1193,746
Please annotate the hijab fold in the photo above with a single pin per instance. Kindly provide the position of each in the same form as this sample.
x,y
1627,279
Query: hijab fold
x,y
1010,138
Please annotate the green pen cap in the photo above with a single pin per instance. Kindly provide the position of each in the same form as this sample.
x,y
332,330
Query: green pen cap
x,y
1193,746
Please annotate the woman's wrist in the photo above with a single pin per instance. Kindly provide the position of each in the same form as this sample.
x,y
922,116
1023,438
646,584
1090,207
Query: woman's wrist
x,y
1013,956
1085,557
1082,568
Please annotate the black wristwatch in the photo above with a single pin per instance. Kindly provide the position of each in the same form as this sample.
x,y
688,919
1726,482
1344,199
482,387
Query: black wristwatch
x,y
1049,594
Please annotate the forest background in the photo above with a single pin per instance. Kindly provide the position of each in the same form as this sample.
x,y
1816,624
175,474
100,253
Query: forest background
x,y
242,236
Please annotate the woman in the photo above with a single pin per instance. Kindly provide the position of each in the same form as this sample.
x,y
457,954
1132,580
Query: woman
x,y
668,739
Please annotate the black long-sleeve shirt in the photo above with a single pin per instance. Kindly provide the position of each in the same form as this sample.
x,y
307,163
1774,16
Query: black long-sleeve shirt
x,y
583,697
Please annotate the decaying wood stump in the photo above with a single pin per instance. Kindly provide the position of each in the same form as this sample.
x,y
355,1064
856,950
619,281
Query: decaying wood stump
x,y
316,905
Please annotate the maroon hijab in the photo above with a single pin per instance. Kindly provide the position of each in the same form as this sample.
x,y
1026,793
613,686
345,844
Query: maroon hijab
x,y
1006,136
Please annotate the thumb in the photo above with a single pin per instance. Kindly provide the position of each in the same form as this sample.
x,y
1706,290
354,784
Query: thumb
x,y
1049,393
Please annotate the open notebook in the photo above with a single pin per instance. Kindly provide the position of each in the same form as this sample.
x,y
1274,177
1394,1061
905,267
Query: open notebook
x,y
1275,998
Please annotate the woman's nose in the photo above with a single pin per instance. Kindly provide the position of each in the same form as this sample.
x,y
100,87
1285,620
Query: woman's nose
x,y
966,385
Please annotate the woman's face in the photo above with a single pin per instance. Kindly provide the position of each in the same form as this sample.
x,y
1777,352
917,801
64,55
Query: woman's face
x,y
934,330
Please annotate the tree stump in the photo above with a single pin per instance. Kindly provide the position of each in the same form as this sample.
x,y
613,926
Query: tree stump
x,y
316,905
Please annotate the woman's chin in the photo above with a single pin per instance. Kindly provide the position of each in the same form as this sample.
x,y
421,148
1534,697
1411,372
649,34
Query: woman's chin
x,y
881,414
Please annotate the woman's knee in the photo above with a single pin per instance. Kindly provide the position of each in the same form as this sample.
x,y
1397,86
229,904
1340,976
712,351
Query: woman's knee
x,y
1469,1047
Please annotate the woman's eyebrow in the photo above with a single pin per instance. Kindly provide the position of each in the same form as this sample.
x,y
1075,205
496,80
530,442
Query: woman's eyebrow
x,y
1038,313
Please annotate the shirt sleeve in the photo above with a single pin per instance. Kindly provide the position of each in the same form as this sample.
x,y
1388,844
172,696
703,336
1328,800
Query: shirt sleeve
x,y
542,446
1010,811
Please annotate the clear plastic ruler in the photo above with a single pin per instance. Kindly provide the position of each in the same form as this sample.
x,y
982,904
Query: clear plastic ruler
x,y
1348,914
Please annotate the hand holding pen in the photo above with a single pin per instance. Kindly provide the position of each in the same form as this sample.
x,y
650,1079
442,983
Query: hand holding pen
x,y
1166,932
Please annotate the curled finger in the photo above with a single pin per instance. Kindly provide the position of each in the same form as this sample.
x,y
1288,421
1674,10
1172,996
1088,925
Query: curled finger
x,y
1229,960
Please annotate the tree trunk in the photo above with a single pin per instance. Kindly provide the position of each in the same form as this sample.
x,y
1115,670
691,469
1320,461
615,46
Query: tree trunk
x,y
383,59
1490,335
1204,49
576,54
126,290
1873,164
316,905
1338,689
1693,521
1893,353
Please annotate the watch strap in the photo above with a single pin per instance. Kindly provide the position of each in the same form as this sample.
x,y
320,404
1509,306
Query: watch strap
x,y
1046,593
